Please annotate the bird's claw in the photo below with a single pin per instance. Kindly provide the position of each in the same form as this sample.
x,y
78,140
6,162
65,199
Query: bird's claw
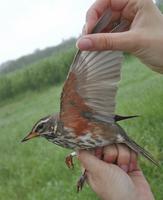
x,y
69,161
81,181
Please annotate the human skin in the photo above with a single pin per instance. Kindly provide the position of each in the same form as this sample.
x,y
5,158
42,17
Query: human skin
x,y
118,181
144,37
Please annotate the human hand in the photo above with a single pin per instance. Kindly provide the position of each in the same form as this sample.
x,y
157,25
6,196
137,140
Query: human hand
x,y
123,180
144,37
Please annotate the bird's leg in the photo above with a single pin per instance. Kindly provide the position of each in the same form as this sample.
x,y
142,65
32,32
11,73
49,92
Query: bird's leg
x,y
98,153
70,164
81,181
69,160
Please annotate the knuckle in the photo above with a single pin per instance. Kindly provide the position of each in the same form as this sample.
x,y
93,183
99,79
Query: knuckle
x,y
107,42
110,154
123,155
133,157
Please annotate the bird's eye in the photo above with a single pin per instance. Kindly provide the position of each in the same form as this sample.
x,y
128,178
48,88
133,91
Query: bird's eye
x,y
40,126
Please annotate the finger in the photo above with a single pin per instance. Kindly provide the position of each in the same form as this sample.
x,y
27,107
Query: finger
x,y
123,159
125,41
84,30
133,161
90,162
110,154
94,12
99,152
91,152
91,20
127,9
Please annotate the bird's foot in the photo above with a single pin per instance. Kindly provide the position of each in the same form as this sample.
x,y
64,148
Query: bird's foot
x,y
81,181
69,160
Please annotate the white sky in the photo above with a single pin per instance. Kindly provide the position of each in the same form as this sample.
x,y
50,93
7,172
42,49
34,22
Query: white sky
x,y
26,25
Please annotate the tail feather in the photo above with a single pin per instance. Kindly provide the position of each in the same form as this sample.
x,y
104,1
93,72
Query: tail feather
x,y
134,146
138,149
119,117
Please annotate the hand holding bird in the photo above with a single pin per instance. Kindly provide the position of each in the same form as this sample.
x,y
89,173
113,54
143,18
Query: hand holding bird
x,y
143,38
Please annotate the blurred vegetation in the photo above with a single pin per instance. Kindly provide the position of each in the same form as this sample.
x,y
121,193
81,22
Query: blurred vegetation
x,y
49,71
159,4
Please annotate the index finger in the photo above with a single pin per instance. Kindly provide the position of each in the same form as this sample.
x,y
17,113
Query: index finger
x,y
98,8
94,13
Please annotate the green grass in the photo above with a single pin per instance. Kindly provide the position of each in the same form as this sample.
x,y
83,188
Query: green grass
x,y
36,170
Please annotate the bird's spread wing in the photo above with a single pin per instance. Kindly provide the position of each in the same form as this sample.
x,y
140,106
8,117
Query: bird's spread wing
x,y
91,85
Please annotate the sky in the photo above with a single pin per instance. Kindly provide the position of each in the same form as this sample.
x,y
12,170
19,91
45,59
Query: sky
x,y
27,25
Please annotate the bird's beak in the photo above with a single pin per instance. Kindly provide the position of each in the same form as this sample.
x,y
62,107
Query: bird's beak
x,y
30,136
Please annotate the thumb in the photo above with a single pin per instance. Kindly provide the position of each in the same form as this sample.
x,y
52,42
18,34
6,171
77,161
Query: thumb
x,y
124,41
91,163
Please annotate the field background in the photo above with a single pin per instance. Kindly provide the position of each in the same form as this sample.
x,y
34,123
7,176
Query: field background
x,y
36,170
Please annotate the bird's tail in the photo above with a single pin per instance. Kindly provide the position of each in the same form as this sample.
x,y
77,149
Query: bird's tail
x,y
138,149
119,117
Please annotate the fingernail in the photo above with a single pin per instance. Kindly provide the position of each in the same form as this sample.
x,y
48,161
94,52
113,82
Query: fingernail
x,y
124,167
84,44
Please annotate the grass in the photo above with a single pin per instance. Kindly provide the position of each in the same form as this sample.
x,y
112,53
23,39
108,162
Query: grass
x,y
36,170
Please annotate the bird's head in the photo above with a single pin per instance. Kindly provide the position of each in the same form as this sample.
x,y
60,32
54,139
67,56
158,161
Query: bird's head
x,y
45,127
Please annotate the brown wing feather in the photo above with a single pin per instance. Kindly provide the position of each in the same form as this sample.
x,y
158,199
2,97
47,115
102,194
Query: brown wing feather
x,y
72,106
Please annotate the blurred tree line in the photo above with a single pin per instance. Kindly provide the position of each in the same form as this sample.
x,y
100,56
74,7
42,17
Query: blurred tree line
x,y
38,70
49,71
38,55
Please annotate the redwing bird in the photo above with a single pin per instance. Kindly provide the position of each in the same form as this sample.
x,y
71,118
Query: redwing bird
x,y
87,117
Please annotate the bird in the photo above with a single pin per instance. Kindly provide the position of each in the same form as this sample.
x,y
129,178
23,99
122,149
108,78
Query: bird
x,y
87,118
